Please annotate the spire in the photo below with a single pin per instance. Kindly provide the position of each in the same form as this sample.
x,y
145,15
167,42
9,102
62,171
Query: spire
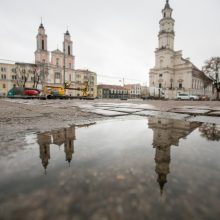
x,y
67,33
162,181
167,6
41,24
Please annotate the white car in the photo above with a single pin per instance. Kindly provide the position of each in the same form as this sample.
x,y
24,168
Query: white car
x,y
185,96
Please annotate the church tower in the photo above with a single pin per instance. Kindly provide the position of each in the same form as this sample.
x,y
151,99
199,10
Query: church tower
x,y
166,34
41,54
163,74
68,50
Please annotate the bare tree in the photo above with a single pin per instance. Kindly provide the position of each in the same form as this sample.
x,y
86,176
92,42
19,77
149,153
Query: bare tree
x,y
212,70
22,74
36,76
210,131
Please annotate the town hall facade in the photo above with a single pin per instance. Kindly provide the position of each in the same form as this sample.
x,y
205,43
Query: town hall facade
x,y
172,73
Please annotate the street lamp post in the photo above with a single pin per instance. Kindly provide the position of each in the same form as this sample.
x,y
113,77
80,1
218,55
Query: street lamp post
x,y
64,69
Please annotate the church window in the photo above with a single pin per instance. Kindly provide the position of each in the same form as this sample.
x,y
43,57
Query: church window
x,y
42,44
57,61
68,50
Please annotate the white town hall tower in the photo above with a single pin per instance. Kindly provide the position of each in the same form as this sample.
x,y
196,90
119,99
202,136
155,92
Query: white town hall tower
x,y
172,72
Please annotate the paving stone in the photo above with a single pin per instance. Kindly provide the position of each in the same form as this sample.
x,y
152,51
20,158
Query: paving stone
x,y
163,114
190,111
205,119
216,113
106,112
126,110
196,107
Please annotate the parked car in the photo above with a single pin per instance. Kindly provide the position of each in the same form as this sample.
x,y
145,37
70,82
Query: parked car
x,y
185,96
204,98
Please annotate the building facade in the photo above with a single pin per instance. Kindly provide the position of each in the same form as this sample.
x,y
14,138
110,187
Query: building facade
x,y
17,74
86,78
134,90
50,69
112,92
172,72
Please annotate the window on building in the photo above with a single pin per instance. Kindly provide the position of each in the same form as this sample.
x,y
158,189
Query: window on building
x,y
69,50
3,76
180,86
32,78
57,61
57,75
160,85
42,44
3,86
160,75
70,77
14,77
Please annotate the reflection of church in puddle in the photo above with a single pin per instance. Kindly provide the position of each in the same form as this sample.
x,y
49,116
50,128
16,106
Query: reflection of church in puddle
x,y
167,132
64,136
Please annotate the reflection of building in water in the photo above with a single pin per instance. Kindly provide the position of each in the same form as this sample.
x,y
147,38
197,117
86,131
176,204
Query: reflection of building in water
x,y
44,141
69,143
167,132
64,136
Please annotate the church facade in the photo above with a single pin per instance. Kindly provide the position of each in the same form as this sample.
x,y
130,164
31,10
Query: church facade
x,y
50,69
172,73
51,66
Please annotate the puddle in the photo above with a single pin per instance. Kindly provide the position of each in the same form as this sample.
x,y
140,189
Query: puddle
x,y
136,168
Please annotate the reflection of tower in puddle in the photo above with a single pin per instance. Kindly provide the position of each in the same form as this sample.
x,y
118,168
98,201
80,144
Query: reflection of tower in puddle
x,y
64,136
44,141
167,132
69,143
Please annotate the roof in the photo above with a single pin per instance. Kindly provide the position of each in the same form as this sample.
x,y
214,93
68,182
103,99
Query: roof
x,y
84,71
25,64
41,26
106,86
196,71
57,51
132,85
67,33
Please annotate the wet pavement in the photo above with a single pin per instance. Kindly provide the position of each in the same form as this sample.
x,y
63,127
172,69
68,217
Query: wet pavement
x,y
128,167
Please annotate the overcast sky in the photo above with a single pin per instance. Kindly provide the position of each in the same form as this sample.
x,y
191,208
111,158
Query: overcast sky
x,y
114,38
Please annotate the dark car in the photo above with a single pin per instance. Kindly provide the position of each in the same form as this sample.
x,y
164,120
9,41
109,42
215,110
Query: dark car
x,y
204,98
